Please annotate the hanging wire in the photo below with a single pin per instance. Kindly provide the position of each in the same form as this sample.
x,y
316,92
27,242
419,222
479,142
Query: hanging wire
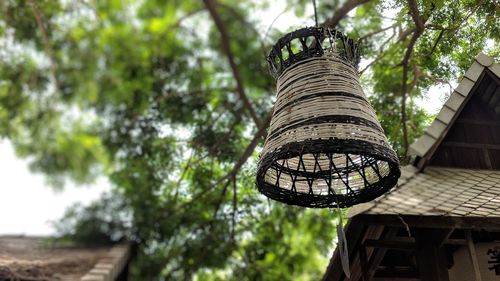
x,y
315,13
272,23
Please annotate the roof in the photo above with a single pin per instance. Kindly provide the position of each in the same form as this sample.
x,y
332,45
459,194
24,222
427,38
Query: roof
x,y
34,258
439,191
434,193
445,191
441,125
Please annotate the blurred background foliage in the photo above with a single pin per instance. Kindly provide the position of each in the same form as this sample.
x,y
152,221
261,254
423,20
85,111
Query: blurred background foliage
x,y
143,93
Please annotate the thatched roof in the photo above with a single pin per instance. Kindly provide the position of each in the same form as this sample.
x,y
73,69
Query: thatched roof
x,y
34,258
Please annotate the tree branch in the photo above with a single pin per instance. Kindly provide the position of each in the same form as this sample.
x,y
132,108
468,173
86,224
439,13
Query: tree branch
x,y
461,22
404,89
404,34
342,12
436,43
45,39
261,133
419,23
241,18
419,29
225,41
437,80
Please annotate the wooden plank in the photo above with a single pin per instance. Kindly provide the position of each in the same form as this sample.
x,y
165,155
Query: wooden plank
x,y
455,101
473,255
465,87
488,92
474,71
444,237
446,114
494,71
484,59
373,231
423,144
495,98
431,259
487,159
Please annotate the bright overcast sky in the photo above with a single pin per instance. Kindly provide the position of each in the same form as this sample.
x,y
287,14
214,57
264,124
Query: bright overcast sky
x,y
27,204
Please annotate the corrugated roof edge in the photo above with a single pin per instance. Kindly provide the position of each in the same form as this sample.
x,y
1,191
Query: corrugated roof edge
x,y
452,106
111,266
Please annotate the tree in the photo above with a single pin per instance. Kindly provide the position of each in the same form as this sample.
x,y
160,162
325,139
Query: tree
x,y
170,100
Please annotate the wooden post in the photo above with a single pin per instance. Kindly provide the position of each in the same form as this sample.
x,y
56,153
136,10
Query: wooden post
x,y
473,256
431,257
364,262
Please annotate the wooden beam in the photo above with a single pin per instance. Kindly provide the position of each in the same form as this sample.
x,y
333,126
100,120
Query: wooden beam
x,y
379,254
471,145
411,240
396,279
440,222
455,242
443,237
431,258
486,155
372,232
473,255
390,245
469,121
364,262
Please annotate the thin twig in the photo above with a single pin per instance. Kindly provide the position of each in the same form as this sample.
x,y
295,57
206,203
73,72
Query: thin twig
x,y
183,174
381,54
377,31
235,209
261,133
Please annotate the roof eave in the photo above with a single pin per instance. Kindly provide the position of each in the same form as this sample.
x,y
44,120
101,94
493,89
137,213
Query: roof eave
x,y
426,145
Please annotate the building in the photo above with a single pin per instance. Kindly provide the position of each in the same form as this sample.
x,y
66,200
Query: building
x,y
34,258
442,221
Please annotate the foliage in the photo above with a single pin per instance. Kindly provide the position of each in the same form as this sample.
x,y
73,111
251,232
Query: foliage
x,y
103,222
142,92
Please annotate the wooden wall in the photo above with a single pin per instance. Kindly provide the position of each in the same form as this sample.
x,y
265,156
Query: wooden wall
x,y
473,142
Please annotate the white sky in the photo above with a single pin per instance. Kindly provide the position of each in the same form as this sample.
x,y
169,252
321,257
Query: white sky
x,y
27,204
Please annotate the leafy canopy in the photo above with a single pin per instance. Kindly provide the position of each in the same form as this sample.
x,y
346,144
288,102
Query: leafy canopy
x,y
169,99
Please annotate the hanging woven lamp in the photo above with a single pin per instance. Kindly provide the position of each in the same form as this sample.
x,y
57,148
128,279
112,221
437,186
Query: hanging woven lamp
x,y
325,146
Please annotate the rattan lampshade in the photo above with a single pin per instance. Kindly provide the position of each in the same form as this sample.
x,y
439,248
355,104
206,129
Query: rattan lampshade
x,y
325,146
